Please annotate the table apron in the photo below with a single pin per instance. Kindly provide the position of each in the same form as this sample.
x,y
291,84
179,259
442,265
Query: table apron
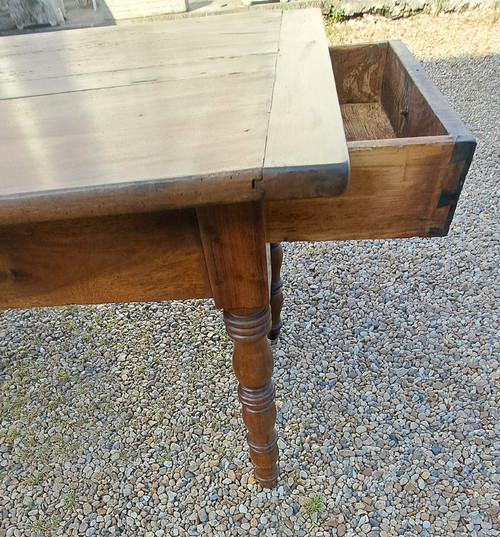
x,y
141,257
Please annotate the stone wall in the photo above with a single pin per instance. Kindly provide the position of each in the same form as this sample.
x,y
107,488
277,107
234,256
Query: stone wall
x,y
400,8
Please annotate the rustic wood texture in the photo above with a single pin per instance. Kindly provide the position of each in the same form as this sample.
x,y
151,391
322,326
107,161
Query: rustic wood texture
x,y
107,57
166,115
276,290
393,192
301,164
111,259
233,239
399,187
253,367
135,116
410,113
359,71
366,121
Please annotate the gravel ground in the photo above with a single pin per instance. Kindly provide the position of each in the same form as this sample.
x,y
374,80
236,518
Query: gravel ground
x,y
124,420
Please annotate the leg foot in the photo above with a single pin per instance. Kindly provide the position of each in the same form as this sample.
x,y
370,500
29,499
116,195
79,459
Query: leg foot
x,y
276,290
253,367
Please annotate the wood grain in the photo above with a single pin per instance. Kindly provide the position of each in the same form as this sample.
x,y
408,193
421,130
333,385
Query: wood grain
x,y
410,113
366,121
253,367
299,160
95,143
96,58
394,191
112,49
359,71
111,259
233,239
167,115
113,120
407,170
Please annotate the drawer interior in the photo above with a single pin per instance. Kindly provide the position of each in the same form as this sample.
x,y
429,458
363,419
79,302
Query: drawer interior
x,y
379,98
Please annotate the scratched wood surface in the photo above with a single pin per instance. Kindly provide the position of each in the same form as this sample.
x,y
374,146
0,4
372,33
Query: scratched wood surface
x,y
124,107
165,115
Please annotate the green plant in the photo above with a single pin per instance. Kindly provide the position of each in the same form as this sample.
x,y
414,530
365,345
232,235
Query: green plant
x,y
314,504
55,401
32,480
166,456
336,15
62,375
69,502
313,250
38,527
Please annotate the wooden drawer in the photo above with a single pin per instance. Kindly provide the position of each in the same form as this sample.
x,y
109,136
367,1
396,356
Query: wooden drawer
x,y
409,154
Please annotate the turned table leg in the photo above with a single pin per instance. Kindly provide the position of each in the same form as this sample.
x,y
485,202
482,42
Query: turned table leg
x,y
276,290
235,249
253,367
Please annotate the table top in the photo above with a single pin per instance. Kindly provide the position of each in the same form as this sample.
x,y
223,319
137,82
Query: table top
x,y
222,109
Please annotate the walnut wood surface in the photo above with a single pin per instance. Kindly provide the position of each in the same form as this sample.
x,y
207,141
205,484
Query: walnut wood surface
x,y
393,192
359,71
233,239
410,113
235,251
110,259
167,115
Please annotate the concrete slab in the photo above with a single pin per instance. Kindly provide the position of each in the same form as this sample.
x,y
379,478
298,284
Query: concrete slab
x,y
133,9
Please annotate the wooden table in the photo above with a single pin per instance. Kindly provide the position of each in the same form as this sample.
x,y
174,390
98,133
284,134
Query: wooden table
x,y
136,163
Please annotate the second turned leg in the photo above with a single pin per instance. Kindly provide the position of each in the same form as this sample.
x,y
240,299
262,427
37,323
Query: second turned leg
x,y
276,290
253,367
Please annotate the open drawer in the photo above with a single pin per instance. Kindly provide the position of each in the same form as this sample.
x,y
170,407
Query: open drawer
x,y
409,154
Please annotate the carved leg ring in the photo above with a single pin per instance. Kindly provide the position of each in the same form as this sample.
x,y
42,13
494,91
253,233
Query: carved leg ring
x,y
276,289
253,367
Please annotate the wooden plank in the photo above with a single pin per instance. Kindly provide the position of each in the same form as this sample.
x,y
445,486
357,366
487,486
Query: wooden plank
x,y
408,110
93,145
233,239
393,192
107,57
366,121
298,161
125,258
178,117
359,71
427,113
448,121
168,71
